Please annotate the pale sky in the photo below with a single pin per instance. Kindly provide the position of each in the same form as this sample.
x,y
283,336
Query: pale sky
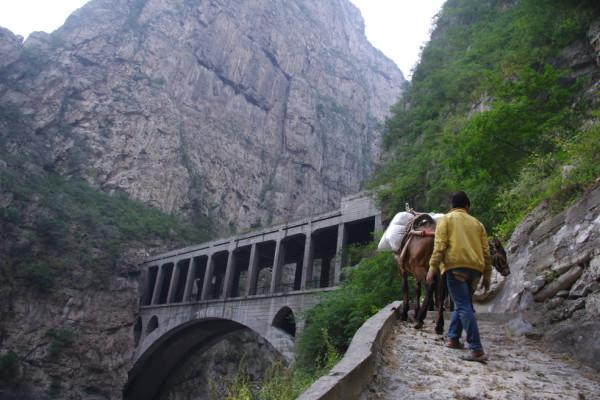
x,y
397,27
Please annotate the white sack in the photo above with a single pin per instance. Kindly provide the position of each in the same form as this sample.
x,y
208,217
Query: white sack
x,y
384,245
394,235
402,218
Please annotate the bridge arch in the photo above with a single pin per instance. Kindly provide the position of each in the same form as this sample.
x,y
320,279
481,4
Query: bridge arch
x,y
157,362
152,324
285,320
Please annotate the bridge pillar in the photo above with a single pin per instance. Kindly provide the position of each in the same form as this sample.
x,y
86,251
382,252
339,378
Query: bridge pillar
x,y
277,265
307,267
378,224
229,272
342,239
252,271
206,285
157,285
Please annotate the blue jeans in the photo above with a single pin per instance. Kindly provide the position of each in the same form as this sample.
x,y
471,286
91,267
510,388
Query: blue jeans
x,y
463,315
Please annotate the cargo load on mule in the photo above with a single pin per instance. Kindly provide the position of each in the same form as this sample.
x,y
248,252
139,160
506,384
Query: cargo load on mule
x,y
410,236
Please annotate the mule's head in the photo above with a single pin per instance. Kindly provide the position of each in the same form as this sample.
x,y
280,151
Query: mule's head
x,y
499,260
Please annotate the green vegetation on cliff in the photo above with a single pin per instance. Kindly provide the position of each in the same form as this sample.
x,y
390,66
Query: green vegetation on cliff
x,y
52,226
492,105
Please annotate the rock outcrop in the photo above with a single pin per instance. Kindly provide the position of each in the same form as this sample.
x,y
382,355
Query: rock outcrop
x,y
554,285
246,112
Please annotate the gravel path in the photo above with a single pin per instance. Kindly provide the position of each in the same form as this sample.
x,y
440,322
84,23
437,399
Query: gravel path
x,y
417,365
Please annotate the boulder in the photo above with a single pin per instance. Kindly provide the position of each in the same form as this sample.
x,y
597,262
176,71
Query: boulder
x,y
563,282
537,284
588,281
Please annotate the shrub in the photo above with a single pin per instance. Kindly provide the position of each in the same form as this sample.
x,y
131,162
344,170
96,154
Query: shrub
x,y
40,276
9,366
60,339
11,215
331,324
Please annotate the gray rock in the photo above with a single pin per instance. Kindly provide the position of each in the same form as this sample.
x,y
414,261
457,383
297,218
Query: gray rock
x,y
588,282
567,309
538,283
562,293
10,47
570,258
519,327
563,282
554,302
594,268
592,305
526,300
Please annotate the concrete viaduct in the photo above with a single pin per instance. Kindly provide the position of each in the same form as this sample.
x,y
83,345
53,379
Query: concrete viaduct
x,y
262,280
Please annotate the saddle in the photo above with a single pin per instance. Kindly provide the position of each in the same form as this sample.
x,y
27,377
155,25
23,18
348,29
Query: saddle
x,y
416,227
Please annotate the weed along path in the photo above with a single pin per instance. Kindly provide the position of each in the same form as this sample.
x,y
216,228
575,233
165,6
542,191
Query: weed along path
x,y
417,365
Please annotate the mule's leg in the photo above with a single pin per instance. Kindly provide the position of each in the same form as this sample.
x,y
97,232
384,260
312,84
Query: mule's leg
x,y
441,294
430,290
417,299
404,315
433,303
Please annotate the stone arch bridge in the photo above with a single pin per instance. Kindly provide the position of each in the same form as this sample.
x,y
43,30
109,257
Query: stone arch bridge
x,y
262,280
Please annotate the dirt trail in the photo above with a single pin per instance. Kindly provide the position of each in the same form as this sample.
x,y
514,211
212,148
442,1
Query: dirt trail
x,y
416,365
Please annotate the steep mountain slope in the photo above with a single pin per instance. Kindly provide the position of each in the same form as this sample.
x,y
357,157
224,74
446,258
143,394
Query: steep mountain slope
x,y
243,112
502,99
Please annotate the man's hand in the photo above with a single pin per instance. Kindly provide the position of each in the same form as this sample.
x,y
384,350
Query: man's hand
x,y
430,276
485,284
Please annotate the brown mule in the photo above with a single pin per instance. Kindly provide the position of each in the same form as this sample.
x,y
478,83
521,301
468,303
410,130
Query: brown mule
x,y
413,257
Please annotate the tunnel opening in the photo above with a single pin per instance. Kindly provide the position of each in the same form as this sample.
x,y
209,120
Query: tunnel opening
x,y
151,283
240,271
293,259
167,273
323,269
198,276
181,274
218,277
284,320
266,257
359,233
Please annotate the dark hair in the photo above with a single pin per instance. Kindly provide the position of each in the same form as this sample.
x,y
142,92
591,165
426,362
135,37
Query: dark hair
x,y
460,200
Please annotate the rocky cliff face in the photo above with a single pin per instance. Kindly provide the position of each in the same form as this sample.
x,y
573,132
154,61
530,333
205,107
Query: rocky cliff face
x,y
554,287
248,112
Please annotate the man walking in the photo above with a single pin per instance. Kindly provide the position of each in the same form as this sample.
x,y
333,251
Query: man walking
x,y
461,252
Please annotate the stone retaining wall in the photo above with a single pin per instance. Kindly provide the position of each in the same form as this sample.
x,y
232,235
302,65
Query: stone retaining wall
x,y
353,373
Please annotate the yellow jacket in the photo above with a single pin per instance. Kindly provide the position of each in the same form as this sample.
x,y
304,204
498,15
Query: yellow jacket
x,y
461,242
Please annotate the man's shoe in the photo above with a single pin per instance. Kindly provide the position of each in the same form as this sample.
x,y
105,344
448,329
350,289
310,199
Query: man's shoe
x,y
476,355
454,344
